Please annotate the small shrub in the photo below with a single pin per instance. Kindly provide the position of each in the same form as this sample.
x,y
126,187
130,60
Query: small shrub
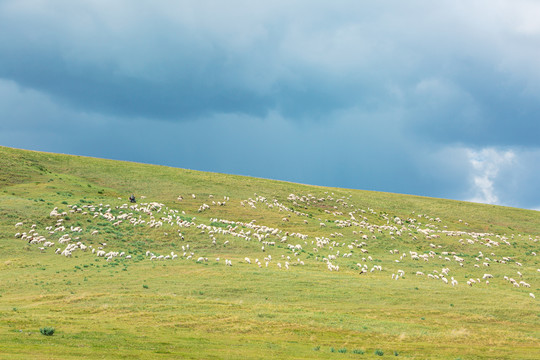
x,y
332,349
396,353
358,351
379,352
342,350
317,348
47,330
145,286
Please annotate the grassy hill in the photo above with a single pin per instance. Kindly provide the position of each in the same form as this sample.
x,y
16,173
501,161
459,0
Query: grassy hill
x,y
313,269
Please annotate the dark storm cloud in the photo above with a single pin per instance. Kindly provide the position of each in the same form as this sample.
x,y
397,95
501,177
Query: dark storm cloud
x,y
481,108
145,63
101,88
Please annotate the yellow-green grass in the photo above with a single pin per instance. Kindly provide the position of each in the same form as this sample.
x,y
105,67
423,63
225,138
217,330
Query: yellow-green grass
x,y
182,308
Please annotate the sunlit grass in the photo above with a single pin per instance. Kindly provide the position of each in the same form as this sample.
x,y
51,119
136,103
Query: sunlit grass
x,y
139,308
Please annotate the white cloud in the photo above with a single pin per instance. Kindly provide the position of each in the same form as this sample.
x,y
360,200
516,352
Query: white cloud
x,y
486,165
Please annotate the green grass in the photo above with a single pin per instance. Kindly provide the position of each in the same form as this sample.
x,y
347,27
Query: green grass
x,y
185,308
47,331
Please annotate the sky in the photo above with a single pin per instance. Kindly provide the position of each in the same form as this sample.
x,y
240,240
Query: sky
x,y
431,98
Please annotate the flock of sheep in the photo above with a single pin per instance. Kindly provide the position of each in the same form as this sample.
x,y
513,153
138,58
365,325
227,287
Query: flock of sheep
x,y
342,236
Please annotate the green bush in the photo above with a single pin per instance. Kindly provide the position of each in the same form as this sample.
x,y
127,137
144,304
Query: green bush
x,y
47,330
379,352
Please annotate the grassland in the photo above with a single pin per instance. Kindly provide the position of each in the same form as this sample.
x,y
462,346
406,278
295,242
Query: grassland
x,y
195,308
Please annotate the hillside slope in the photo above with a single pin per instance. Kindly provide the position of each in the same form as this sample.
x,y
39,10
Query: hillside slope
x,y
210,265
